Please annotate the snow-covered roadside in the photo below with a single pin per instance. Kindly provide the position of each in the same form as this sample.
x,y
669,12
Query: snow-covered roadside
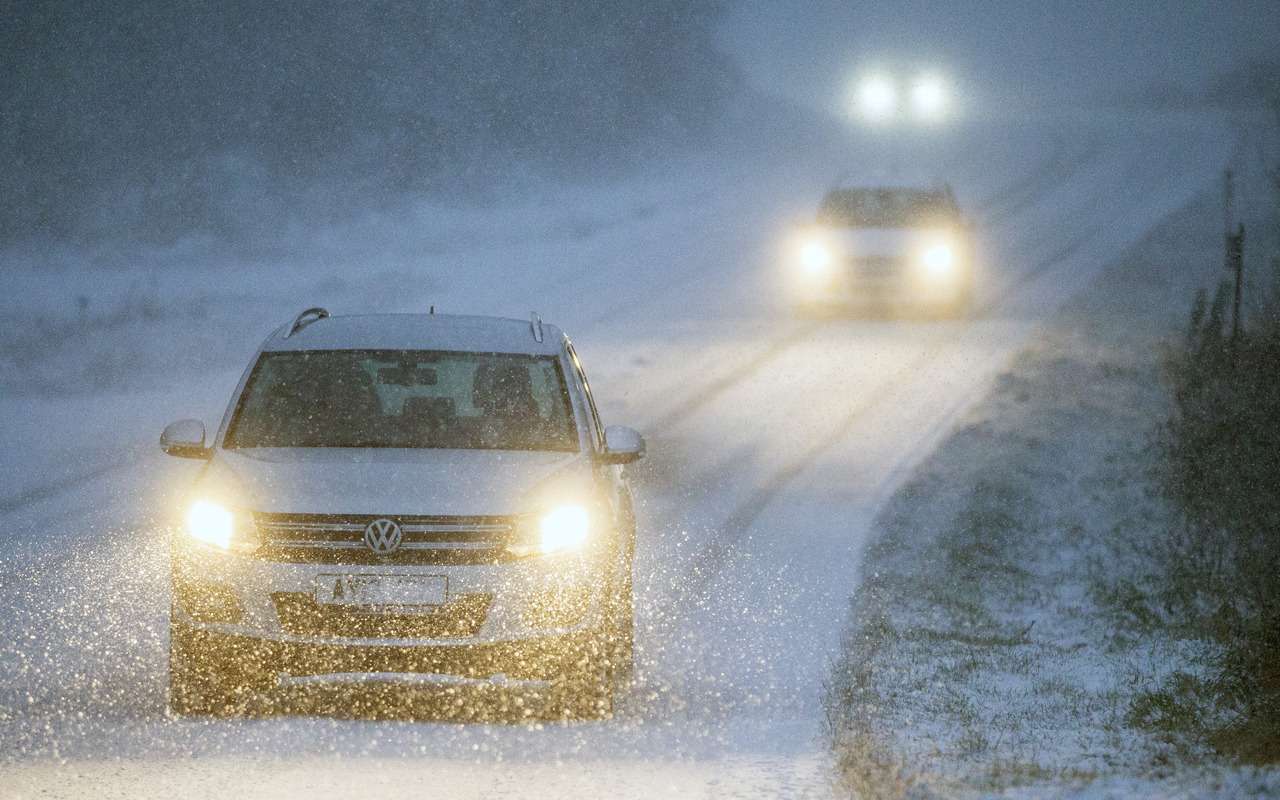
x,y
982,658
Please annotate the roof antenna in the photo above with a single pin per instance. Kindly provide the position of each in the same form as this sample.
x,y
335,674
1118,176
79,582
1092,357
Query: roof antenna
x,y
535,325
306,318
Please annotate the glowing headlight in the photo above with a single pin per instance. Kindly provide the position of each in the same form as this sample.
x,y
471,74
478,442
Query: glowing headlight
x,y
877,98
938,260
815,257
564,528
929,97
211,524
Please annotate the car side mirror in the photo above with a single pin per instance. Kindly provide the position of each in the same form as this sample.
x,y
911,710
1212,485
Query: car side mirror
x,y
185,439
622,445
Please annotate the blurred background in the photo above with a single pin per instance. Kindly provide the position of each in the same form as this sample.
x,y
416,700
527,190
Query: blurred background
x,y
148,121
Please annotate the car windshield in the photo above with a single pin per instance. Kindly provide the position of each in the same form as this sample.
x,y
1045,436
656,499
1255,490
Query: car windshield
x,y
884,208
405,399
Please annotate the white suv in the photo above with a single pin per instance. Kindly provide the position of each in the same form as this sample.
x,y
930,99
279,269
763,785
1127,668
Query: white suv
x,y
405,493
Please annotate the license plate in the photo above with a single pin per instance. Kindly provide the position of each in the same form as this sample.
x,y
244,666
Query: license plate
x,y
382,591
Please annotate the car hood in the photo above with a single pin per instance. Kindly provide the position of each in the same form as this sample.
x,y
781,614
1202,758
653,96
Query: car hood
x,y
391,482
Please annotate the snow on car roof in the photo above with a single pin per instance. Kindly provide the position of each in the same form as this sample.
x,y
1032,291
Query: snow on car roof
x,y
418,332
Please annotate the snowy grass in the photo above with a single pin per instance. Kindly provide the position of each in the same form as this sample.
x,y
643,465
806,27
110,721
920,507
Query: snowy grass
x,y
999,643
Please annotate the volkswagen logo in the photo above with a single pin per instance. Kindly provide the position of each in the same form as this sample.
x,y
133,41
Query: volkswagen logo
x,y
383,536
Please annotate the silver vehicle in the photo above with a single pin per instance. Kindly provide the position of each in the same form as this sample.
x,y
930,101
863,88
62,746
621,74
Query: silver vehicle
x,y
887,247
405,493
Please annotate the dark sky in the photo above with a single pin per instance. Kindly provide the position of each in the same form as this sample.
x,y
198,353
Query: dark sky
x,y
1055,51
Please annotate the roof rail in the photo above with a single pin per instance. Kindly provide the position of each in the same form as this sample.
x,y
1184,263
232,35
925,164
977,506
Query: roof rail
x,y
306,318
535,325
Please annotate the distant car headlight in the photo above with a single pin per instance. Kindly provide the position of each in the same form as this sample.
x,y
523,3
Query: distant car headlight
x,y
938,260
929,97
564,528
815,257
877,98
214,525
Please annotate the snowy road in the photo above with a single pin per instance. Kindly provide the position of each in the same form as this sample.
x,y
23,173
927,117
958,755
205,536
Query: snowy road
x,y
773,443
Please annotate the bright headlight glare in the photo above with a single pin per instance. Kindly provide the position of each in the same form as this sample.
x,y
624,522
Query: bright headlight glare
x,y
929,97
877,98
815,257
211,524
563,528
938,259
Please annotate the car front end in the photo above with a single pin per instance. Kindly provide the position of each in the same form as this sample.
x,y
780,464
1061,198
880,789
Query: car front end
x,y
473,595
926,267
406,510
883,247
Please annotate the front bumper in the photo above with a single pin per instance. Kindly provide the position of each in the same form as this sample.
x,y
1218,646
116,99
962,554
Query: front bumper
x,y
493,614
897,281
534,659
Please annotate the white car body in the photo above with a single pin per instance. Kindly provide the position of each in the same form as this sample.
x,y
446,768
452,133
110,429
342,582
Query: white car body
x,y
268,605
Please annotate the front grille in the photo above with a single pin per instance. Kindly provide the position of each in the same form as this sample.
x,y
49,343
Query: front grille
x,y
876,267
301,615
336,539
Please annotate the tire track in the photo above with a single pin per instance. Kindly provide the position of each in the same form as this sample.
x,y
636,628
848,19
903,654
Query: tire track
x,y
698,400
47,491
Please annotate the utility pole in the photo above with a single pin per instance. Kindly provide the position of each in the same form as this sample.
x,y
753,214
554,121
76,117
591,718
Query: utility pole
x,y
1235,263
1233,251
1228,194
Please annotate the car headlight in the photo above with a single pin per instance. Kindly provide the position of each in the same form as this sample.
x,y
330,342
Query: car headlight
x,y
938,260
815,257
212,524
877,98
929,97
564,528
